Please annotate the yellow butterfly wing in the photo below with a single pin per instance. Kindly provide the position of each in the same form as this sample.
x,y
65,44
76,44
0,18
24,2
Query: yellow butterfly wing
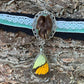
x,y
41,66
44,69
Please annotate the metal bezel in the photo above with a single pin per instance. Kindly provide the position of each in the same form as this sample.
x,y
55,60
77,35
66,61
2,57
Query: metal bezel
x,y
35,31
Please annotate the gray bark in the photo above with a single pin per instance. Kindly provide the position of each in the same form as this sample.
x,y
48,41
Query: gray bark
x,y
18,50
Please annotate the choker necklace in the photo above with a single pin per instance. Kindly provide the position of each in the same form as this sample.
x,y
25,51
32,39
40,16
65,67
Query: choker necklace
x,y
66,25
44,25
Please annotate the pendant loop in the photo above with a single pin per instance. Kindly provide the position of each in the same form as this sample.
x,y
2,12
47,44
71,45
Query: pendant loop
x,y
42,43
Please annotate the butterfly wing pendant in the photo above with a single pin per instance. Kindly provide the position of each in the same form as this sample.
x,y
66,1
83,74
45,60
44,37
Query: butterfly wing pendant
x,y
41,65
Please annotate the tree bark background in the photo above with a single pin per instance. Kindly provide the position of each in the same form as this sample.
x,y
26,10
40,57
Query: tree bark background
x,y
18,49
